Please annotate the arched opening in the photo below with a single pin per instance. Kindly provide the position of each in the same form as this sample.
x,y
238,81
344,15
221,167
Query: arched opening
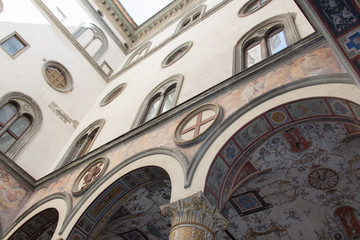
x,y
128,208
41,226
286,172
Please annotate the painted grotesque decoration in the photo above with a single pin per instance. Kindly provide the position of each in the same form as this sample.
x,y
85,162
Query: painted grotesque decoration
x,y
286,175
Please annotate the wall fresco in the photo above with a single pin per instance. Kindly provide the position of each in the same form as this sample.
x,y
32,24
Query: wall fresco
x,y
12,197
316,62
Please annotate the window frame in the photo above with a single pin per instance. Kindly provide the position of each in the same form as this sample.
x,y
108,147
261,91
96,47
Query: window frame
x,y
244,10
72,153
110,96
97,34
26,107
186,46
173,82
137,55
63,69
262,31
190,17
20,39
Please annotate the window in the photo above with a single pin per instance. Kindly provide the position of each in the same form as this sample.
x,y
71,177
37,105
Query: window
x,y
57,76
83,142
112,94
175,55
138,54
92,38
14,45
252,6
160,100
20,117
191,18
264,40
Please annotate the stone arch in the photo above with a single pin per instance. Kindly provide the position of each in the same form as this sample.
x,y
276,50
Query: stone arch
x,y
137,195
171,160
59,202
283,153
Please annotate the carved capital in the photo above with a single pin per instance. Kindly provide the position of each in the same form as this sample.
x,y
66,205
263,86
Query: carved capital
x,y
195,209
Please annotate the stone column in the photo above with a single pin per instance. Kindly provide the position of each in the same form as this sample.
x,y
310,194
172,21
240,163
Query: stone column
x,y
194,218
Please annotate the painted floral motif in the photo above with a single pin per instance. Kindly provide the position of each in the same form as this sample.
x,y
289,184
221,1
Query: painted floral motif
x,y
323,178
91,175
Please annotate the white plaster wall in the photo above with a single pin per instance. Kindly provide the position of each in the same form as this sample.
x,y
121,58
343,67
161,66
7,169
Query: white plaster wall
x,y
208,62
77,14
24,74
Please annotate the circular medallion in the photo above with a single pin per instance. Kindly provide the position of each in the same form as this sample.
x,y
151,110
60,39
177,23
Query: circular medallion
x,y
89,175
323,178
355,166
195,125
278,117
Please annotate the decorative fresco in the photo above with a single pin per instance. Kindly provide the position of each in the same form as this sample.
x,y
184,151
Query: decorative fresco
x,y
41,227
311,193
128,208
341,18
12,196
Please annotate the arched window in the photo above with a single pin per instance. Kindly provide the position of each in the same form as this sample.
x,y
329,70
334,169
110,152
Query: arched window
x,y
83,142
191,18
160,100
92,38
20,117
252,6
264,40
138,54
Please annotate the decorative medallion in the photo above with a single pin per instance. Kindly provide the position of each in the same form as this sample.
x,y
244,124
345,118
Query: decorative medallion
x,y
197,124
323,178
89,175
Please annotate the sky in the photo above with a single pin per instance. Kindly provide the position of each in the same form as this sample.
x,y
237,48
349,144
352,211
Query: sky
x,y
142,10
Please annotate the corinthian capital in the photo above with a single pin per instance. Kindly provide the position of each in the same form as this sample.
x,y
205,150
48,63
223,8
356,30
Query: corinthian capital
x,y
195,209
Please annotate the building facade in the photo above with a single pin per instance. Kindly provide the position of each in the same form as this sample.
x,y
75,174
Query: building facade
x,y
212,119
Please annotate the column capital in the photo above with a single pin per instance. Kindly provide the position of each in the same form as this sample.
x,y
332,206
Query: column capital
x,y
196,209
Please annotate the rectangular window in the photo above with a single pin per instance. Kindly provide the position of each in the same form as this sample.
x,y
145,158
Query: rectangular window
x,y
14,45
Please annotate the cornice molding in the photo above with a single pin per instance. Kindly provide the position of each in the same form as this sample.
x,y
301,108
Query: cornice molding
x,y
133,33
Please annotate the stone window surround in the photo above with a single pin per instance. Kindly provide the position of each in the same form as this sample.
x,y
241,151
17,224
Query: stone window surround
x,y
97,124
68,77
165,63
160,89
22,40
27,106
140,52
243,11
260,32
106,99
189,16
98,34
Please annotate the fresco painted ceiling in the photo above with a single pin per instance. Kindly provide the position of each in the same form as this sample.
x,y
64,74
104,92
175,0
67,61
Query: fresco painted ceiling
x,y
293,171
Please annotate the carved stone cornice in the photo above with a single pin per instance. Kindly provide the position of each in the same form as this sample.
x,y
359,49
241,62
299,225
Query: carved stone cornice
x,y
128,28
196,210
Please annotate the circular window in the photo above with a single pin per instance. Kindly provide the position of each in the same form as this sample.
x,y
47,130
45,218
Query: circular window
x,y
57,76
252,6
176,54
112,94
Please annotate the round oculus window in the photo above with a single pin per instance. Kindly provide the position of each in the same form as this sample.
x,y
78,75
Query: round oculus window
x,y
175,55
112,94
57,76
